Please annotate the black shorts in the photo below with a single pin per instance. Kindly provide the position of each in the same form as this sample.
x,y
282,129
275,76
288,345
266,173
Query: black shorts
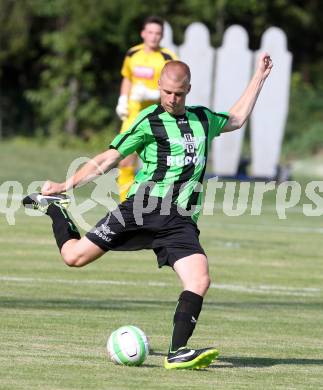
x,y
172,236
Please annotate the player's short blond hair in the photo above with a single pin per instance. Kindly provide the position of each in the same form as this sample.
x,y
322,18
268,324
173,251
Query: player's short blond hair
x,y
176,70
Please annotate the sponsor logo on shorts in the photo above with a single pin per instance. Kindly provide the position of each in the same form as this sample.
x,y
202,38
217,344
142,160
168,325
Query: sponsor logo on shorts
x,y
106,229
101,235
103,232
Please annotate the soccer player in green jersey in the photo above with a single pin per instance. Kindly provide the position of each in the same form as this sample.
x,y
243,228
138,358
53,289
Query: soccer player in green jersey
x,y
162,205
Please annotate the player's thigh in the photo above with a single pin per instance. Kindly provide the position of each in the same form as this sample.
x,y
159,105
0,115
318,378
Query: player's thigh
x,y
77,253
193,272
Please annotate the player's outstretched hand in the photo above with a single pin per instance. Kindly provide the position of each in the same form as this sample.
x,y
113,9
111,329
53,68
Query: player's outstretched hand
x,y
50,188
265,64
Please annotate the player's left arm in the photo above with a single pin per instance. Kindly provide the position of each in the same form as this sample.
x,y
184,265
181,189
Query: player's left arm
x,y
241,110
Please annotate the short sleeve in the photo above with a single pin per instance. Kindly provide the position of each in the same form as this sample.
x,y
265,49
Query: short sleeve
x,y
168,54
217,121
131,140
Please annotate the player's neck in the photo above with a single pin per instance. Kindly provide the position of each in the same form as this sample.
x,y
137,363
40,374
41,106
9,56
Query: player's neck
x,y
180,112
148,49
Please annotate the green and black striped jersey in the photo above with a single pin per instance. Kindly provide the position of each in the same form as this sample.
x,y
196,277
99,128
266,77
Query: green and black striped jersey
x,y
173,150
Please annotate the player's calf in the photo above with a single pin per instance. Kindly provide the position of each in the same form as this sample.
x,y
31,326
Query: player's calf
x,y
55,207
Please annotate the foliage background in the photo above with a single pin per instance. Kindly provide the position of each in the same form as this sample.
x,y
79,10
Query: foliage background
x,y
60,61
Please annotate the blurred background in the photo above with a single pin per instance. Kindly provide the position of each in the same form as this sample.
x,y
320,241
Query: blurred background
x,y
60,64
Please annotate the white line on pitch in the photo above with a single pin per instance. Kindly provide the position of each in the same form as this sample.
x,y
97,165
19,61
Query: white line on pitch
x,y
261,289
287,229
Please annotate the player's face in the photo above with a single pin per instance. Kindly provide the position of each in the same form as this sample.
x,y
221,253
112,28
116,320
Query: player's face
x,y
152,35
173,95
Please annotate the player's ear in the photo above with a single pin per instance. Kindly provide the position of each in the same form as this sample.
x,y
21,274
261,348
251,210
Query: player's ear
x,y
189,88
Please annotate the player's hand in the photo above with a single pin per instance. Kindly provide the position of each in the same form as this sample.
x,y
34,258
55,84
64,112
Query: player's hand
x,y
50,187
140,93
265,64
122,107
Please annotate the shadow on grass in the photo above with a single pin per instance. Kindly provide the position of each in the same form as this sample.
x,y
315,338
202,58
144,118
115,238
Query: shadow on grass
x,y
128,304
256,362
150,365
156,353
83,304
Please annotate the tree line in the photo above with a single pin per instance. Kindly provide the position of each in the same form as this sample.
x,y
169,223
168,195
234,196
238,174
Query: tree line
x,y
60,59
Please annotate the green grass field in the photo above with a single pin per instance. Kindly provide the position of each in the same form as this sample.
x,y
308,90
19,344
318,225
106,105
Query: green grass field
x,y
264,310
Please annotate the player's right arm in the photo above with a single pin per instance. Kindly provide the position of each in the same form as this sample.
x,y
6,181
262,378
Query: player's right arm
x,y
126,85
122,145
97,166
125,88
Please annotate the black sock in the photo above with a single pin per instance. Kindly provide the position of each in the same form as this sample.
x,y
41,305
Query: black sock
x,y
63,227
185,318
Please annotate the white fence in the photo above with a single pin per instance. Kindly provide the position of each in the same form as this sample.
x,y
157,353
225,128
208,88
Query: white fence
x,y
219,76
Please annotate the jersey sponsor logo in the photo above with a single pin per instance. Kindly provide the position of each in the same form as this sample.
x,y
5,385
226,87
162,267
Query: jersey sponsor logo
x,y
188,140
144,72
182,121
189,143
180,161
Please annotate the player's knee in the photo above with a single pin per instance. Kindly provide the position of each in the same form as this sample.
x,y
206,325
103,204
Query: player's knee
x,y
200,285
205,283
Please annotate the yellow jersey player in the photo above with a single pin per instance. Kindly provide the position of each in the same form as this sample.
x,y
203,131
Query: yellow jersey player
x,y
139,87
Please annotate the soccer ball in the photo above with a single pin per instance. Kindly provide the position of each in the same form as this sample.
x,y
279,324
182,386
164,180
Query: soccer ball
x,y
128,346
